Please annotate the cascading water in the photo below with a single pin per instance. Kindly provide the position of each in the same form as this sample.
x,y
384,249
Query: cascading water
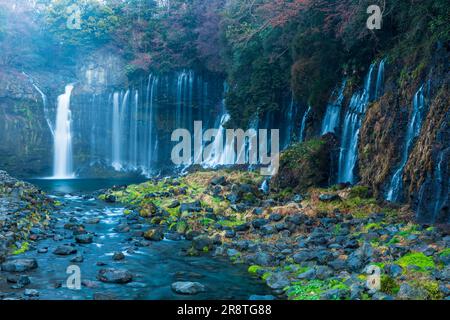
x,y
303,126
116,144
433,200
380,80
289,122
352,122
46,111
413,131
331,120
63,166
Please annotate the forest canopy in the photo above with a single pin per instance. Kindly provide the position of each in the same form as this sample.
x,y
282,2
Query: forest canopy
x,y
266,49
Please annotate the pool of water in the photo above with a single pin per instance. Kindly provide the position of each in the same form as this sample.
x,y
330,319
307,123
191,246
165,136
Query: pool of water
x,y
81,185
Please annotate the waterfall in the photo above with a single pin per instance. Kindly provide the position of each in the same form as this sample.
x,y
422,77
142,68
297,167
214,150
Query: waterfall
x,y
352,122
413,131
181,96
433,199
116,144
303,126
133,144
63,167
331,120
46,111
151,134
441,185
290,123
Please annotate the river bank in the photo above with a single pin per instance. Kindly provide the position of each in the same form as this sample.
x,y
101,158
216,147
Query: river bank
x,y
316,245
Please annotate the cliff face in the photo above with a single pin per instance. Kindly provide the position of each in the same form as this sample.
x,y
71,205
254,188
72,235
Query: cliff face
x,y
24,135
424,180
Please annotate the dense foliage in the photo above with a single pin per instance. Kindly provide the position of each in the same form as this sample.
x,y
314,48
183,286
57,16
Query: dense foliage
x,y
265,48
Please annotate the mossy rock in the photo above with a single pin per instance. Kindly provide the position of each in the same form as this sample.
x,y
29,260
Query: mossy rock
x,y
418,260
305,165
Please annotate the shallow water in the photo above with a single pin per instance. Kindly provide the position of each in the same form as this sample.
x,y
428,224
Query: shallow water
x,y
154,267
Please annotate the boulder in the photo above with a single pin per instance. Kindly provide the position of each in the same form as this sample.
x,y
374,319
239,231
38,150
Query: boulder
x,y
111,275
19,265
64,250
187,287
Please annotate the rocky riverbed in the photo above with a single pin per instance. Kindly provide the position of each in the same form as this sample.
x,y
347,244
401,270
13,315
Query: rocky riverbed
x,y
323,244
105,242
217,235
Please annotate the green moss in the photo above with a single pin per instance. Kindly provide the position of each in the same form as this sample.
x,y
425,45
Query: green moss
x,y
309,290
372,226
431,288
230,224
417,259
362,192
266,275
389,285
23,248
445,253
254,269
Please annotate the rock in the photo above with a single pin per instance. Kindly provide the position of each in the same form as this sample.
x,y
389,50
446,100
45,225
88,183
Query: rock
x,y
191,207
323,272
188,288
174,204
257,211
444,274
263,259
357,259
408,292
309,274
92,221
381,296
31,293
19,265
268,230
154,234
201,242
394,270
84,238
232,253
334,294
117,256
42,250
233,198
101,296
111,275
242,227
275,217
230,234
77,259
337,264
326,197
122,228
258,223
90,284
278,280
64,250
302,256
218,181
110,198
261,298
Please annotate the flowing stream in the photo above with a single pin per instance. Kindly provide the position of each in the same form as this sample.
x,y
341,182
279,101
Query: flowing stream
x,y
154,265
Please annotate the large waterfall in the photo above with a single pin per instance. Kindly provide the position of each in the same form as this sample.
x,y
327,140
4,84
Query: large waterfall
x,y
352,122
63,167
128,130
413,131
331,120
